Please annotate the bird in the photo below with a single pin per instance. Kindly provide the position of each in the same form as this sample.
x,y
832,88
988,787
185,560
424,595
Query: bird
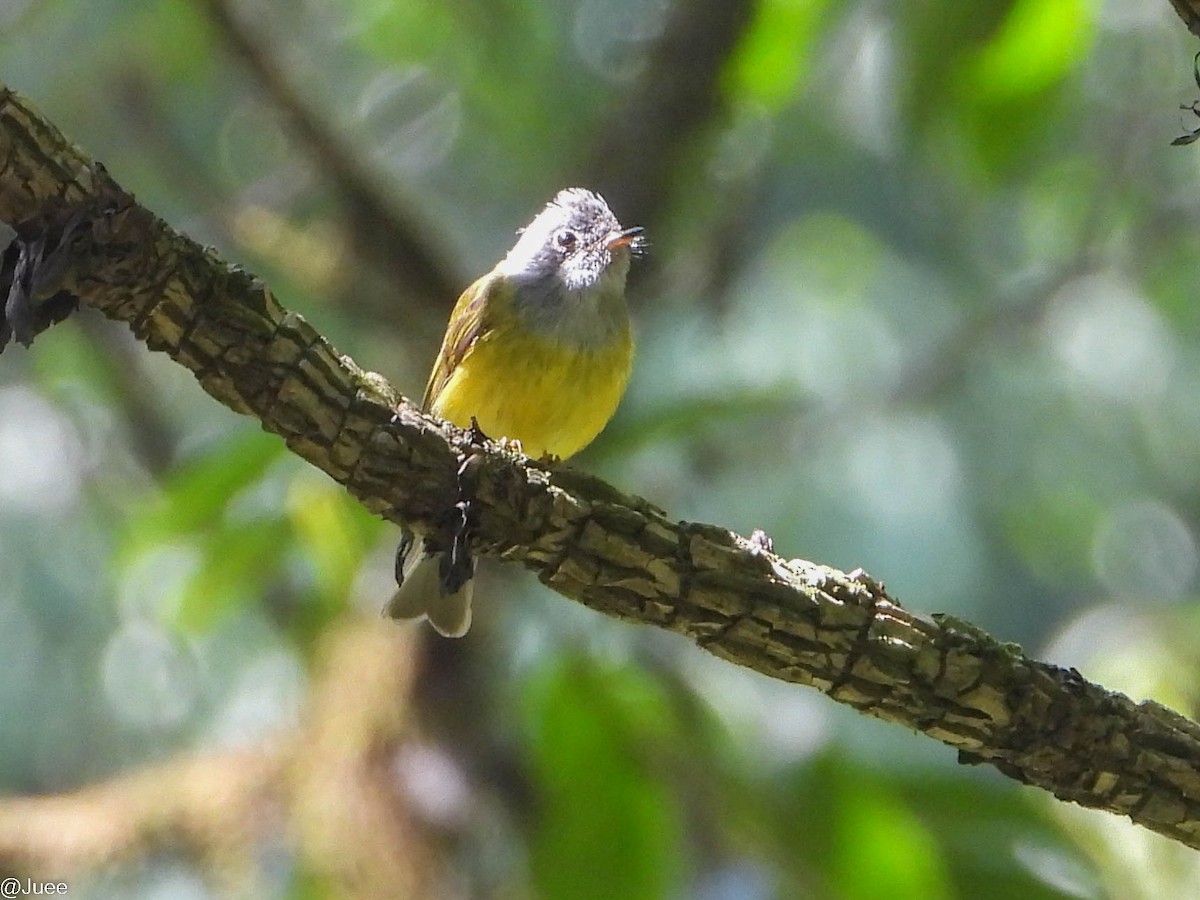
x,y
537,351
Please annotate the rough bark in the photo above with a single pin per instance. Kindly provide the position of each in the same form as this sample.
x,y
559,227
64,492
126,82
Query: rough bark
x,y
733,596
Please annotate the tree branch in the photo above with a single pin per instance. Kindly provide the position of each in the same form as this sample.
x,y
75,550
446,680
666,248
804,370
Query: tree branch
x,y
733,596
1189,11
210,804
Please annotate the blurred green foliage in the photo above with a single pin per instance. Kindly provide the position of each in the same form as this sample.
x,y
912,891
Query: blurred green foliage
x,y
597,736
922,298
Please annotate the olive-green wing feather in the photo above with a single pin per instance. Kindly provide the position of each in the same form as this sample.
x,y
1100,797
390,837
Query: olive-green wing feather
x,y
470,321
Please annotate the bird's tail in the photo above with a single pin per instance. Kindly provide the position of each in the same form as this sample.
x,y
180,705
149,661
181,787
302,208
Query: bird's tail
x,y
421,592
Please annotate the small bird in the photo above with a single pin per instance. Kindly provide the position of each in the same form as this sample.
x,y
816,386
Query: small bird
x,y
539,351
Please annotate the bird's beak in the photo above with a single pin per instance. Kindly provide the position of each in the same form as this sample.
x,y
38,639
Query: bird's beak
x,y
627,238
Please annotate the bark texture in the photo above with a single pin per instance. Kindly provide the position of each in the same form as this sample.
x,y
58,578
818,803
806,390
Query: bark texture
x,y
733,596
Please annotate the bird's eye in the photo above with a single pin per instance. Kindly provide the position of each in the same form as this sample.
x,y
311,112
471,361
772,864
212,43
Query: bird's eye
x,y
566,240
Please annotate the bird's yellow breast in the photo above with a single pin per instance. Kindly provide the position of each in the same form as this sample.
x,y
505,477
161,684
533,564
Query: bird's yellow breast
x,y
552,397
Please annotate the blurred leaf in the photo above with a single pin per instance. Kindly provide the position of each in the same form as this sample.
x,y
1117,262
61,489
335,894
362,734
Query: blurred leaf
x,y
771,62
171,37
983,827
1037,44
402,32
208,504
883,850
990,71
865,843
830,254
73,367
938,35
607,824
198,492
1052,532
334,530
912,835
237,562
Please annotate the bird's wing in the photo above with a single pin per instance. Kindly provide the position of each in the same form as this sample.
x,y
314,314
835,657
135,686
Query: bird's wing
x,y
471,320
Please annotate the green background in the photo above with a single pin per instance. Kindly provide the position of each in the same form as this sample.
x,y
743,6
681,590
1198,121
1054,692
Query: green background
x,y
921,298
